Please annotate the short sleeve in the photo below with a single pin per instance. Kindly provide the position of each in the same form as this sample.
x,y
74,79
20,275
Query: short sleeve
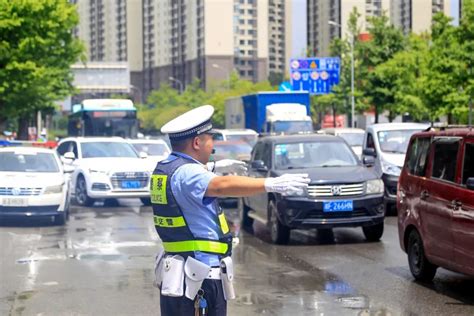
x,y
192,180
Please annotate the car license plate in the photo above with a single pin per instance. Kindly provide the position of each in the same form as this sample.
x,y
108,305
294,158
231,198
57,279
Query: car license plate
x,y
338,206
130,184
15,202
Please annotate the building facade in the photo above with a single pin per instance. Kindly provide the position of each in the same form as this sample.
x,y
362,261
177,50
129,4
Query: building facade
x,y
409,15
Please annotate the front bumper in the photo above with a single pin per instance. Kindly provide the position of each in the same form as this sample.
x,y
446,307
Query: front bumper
x,y
119,194
390,182
308,213
30,211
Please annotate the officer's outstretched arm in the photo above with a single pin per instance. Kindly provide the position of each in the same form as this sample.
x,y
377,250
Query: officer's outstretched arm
x,y
237,186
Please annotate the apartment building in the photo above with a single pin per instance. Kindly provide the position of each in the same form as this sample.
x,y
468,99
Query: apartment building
x,y
416,15
327,19
176,41
112,32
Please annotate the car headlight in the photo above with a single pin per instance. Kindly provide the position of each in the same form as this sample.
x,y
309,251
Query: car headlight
x,y
375,186
304,192
95,171
390,169
54,189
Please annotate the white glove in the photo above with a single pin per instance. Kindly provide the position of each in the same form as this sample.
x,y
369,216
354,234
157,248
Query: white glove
x,y
288,184
227,166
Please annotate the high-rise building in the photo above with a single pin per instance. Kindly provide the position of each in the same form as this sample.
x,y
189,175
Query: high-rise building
x,y
176,41
409,15
327,19
112,32
417,15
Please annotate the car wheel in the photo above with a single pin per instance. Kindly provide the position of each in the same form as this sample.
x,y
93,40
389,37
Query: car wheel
x,y
82,198
247,222
420,267
373,233
279,233
146,201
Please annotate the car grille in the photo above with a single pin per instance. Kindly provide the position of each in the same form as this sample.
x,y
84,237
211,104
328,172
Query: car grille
x,y
325,215
20,191
336,190
118,177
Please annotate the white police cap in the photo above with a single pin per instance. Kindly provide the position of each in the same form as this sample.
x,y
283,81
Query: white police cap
x,y
190,124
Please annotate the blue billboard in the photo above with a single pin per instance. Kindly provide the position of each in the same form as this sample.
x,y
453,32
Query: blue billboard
x,y
316,75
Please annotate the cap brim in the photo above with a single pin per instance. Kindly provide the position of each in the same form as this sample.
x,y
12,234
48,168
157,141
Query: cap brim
x,y
211,132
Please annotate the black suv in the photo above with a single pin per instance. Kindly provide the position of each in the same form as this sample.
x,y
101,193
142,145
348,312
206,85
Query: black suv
x,y
342,193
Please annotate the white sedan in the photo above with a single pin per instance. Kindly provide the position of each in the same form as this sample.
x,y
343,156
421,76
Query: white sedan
x,y
156,149
33,183
105,168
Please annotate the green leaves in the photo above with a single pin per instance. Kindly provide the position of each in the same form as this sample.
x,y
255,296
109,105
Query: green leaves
x,y
36,50
427,75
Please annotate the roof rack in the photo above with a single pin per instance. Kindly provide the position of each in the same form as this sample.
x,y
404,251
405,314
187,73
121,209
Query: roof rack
x,y
443,126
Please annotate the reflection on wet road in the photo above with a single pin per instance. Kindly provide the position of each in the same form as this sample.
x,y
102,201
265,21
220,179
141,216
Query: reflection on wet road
x,y
101,263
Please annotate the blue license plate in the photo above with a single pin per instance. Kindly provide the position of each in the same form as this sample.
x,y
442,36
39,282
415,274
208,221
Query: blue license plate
x,y
131,184
338,206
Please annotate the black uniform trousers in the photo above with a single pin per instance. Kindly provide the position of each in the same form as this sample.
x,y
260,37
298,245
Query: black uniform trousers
x,y
183,306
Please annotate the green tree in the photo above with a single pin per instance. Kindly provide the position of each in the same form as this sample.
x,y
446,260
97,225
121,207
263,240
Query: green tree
x,y
385,41
441,89
401,78
37,48
342,48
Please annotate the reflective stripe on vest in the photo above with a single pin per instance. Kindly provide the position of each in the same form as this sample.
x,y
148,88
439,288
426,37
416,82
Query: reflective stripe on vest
x,y
163,221
196,245
223,223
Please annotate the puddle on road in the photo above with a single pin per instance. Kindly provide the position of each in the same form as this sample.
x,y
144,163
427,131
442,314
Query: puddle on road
x,y
104,257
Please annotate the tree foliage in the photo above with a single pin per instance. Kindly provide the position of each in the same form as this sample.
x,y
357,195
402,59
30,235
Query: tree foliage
x,y
37,48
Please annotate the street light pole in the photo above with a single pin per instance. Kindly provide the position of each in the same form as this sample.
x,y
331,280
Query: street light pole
x,y
226,73
352,73
178,82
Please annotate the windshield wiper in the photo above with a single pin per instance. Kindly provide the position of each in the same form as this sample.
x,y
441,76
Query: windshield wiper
x,y
328,166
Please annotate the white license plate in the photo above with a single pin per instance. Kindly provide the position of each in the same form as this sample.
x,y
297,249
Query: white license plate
x,y
15,202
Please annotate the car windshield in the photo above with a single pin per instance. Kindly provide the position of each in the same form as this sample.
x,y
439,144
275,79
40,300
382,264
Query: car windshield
x,y
395,142
152,149
107,149
250,139
28,162
353,139
231,150
313,154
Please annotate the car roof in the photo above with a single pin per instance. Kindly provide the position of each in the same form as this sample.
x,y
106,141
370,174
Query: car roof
x,y
28,149
146,141
115,139
301,138
397,126
236,131
343,130
455,132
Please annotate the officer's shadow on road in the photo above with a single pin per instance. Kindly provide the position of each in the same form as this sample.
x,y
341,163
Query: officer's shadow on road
x,y
313,236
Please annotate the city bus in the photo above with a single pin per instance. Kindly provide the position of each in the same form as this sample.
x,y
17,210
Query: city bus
x,y
103,117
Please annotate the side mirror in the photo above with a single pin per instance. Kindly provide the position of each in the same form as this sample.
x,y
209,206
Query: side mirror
x,y
68,168
470,183
259,165
369,161
68,158
143,155
369,152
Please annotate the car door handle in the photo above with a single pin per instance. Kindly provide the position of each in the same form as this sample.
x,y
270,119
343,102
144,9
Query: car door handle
x,y
424,195
456,204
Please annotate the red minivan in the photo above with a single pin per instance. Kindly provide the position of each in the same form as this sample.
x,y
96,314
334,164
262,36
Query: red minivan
x,y
435,200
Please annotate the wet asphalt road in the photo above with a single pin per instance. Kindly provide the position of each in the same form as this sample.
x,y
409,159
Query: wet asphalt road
x,y
101,263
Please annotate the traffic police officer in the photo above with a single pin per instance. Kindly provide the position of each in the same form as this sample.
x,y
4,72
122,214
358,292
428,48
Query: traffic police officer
x,y
194,270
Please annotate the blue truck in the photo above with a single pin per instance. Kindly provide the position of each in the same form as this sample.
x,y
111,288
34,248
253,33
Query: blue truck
x,y
270,112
